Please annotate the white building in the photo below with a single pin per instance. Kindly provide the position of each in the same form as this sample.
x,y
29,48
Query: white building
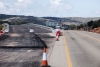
x,y
51,23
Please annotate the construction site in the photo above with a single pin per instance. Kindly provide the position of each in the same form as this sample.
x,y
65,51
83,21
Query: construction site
x,y
21,48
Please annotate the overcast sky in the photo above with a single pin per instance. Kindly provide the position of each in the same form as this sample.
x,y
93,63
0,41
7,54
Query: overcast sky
x,y
56,8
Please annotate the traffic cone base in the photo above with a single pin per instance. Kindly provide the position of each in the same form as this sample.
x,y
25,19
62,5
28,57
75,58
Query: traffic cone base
x,y
45,66
44,60
57,39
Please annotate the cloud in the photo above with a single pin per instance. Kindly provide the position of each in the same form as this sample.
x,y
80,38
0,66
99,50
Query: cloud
x,y
97,11
20,0
7,9
2,5
59,7
37,8
59,4
23,3
54,8
21,7
29,13
3,8
55,2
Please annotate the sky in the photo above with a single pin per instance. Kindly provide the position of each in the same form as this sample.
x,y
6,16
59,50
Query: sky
x,y
51,8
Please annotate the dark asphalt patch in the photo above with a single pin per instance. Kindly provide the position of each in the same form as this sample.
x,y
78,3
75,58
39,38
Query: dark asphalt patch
x,y
3,36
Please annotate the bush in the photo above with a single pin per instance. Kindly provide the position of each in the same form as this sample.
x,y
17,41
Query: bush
x,y
1,26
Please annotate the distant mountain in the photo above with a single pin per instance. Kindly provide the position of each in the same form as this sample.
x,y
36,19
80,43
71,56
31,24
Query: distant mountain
x,y
14,19
73,19
42,20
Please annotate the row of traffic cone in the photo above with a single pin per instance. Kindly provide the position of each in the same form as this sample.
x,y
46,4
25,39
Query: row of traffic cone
x,y
44,59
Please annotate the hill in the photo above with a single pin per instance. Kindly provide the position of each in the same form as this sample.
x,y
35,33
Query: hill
x,y
17,19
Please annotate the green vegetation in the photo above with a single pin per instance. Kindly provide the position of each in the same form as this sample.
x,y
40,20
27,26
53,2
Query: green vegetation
x,y
81,26
90,25
19,23
72,26
1,26
1,22
94,24
13,23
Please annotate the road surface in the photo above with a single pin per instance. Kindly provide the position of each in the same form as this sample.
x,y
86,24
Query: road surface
x,y
83,48
16,47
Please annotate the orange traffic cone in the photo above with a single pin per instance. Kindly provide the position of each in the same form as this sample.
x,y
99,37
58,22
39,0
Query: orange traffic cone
x,y
44,60
57,38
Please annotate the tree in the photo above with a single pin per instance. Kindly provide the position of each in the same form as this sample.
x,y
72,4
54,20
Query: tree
x,y
99,23
90,23
72,26
78,27
1,26
95,24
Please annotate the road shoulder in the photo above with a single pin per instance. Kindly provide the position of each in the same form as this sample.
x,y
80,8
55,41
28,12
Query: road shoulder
x,y
58,55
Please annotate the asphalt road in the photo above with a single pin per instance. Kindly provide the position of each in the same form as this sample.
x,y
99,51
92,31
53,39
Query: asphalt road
x,y
84,48
16,47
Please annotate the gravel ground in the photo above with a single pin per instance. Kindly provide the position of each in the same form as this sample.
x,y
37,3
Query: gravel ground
x,y
20,57
23,57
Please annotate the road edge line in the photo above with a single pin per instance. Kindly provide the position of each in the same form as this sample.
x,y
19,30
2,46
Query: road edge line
x,y
67,52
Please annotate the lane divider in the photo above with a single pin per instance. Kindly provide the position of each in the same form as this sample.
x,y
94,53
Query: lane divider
x,y
89,37
67,52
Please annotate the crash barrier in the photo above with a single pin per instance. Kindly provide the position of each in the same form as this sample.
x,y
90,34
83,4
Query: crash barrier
x,y
44,59
44,27
6,27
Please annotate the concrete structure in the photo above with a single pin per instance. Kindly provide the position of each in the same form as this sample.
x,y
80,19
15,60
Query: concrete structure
x,y
51,23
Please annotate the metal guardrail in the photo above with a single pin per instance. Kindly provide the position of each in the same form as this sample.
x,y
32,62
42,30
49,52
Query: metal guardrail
x,y
44,27
7,27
